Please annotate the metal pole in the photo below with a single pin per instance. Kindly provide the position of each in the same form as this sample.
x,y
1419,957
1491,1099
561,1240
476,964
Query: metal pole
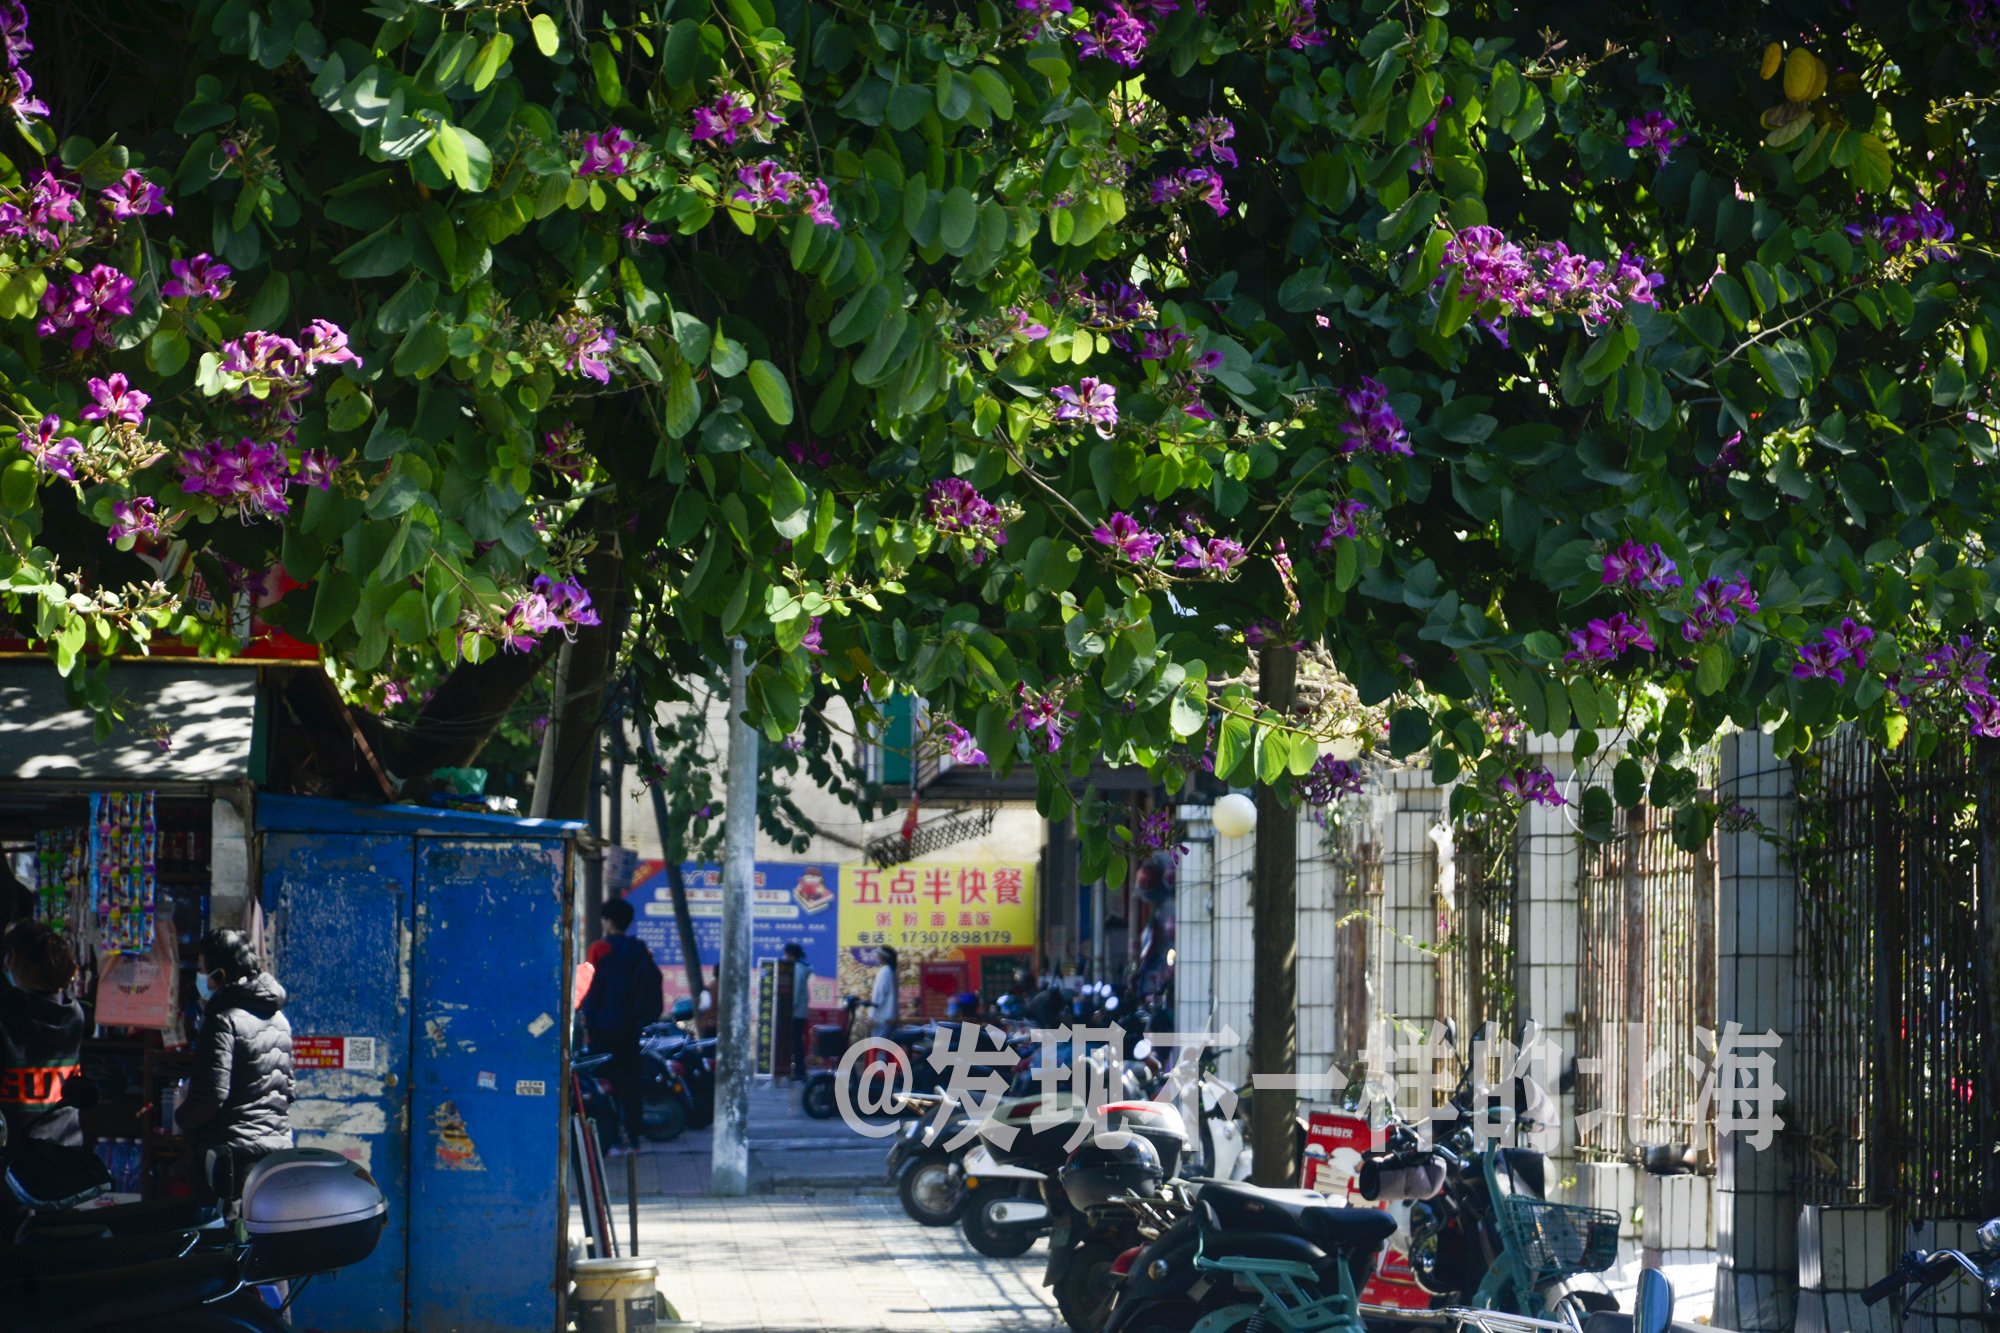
x,y
734,1056
545,771
1274,944
632,1200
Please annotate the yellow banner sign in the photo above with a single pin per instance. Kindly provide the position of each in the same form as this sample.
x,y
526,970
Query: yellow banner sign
x,y
938,906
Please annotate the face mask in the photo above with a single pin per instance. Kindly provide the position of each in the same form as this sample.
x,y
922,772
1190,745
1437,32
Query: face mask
x,y
202,986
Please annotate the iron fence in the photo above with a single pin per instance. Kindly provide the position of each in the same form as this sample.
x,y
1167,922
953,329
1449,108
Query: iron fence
x,y
1646,982
1891,1102
1475,965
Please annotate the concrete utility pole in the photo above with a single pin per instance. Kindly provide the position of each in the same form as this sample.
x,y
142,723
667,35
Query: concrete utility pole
x,y
734,1058
1274,933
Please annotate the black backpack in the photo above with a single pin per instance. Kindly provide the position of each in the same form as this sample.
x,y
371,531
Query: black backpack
x,y
645,992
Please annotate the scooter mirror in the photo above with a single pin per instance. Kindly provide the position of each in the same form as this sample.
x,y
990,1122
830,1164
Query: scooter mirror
x,y
1653,1309
1451,1034
1989,1236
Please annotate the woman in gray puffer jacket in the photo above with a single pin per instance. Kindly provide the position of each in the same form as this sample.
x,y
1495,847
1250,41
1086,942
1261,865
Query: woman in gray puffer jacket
x,y
239,1097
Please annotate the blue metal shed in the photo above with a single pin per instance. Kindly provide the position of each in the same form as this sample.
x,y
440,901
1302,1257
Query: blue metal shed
x,y
427,953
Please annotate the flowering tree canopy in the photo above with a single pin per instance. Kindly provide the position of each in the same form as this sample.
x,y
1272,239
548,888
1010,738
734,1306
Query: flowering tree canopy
x,y
1048,360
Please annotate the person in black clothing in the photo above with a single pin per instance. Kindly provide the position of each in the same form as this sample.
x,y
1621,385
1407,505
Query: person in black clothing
x,y
237,1108
610,1027
41,1035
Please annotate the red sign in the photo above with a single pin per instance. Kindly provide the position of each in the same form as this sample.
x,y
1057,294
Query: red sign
x,y
1344,1138
334,1053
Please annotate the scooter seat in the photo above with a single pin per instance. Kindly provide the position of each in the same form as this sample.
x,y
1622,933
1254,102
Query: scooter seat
x,y
1262,1245
1306,1213
37,1304
48,1258
127,1219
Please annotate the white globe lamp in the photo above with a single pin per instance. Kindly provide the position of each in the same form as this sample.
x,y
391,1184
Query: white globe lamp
x,y
1235,816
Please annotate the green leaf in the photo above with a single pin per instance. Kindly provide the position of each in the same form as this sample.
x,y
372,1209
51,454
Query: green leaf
x,y
1628,782
489,60
772,391
1712,667
1409,732
1596,821
17,486
1189,713
1673,787
1232,746
791,502
604,65
994,89
1872,168
957,216
727,357
380,254
334,604
1274,753
908,104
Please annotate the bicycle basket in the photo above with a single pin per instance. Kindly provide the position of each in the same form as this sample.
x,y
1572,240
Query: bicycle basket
x,y
1557,1239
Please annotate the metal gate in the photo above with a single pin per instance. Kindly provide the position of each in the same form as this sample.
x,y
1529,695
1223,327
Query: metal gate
x,y
1892,1103
1646,986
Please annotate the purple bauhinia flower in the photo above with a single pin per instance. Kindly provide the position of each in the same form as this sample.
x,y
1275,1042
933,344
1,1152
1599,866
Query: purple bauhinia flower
x,y
958,743
133,196
17,89
819,204
589,343
1045,9
636,232
1640,568
316,468
1372,424
811,641
1116,34
1209,135
1984,710
204,276
1090,400
1122,533
728,115
1533,783
954,506
1819,661
1653,133
116,400
14,31
1717,605
1025,327
51,451
609,153
135,518
1218,555
1329,779
1346,522
1849,639
1604,641
765,182
326,345
1493,268
1042,713
88,305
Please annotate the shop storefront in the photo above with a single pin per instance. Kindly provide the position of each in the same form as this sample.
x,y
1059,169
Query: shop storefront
x,y
133,846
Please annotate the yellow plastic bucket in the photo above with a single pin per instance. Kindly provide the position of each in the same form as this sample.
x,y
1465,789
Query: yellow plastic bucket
x,y
614,1295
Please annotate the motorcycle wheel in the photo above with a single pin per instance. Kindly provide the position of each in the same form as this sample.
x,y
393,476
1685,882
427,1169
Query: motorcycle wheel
x,y
1087,1289
929,1193
817,1098
992,1241
665,1117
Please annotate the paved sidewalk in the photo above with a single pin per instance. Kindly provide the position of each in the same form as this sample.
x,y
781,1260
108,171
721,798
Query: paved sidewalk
x,y
789,1153
830,1265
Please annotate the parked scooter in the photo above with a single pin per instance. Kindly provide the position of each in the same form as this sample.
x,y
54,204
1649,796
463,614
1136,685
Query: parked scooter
x,y
830,1043
1241,1257
1925,1269
929,1176
1491,1239
665,1104
1136,1149
174,1266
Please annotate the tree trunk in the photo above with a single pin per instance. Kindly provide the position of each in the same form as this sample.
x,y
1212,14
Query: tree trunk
x,y
1274,929
735,1054
593,660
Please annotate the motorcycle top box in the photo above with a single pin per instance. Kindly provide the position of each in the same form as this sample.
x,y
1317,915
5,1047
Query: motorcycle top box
x,y
309,1210
1157,1122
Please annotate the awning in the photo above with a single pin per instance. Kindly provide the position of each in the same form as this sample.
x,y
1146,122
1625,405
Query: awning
x,y
205,715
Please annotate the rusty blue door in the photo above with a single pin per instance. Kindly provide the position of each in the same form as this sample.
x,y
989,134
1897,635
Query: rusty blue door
x,y
489,974
339,912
